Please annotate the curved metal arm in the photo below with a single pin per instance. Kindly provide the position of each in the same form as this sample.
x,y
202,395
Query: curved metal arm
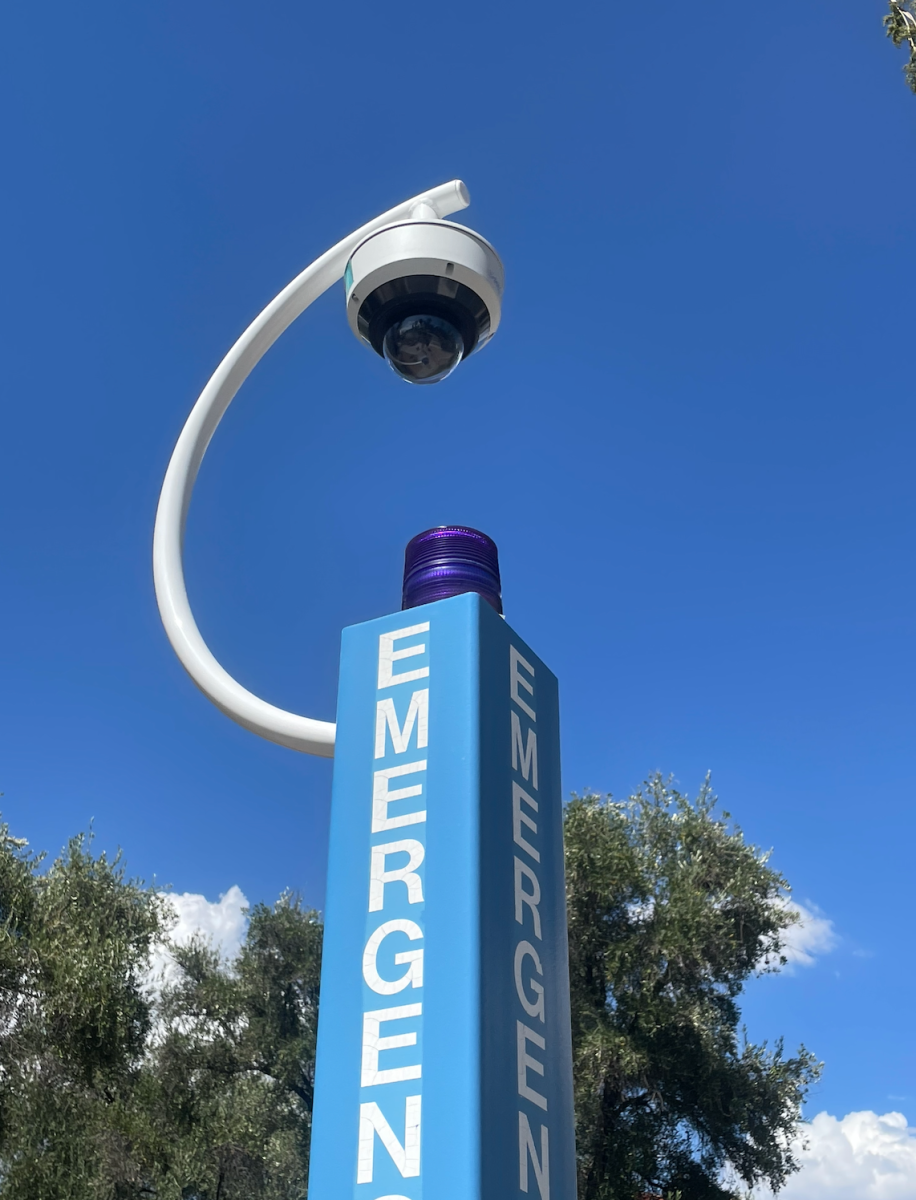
x,y
275,724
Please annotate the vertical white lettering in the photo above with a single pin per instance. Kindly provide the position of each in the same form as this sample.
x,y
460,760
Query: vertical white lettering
x,y
516,660
388,656
527,755
378,876
412,959
532,899
407,1157
530,992
418,712
526,1148
526,1063
374,1044
382,797
534,1008
520,818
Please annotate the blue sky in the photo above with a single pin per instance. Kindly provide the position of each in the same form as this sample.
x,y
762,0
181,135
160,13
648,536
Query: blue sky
x,y
691,438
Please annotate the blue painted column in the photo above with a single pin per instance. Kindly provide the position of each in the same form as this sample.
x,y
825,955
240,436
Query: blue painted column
x,y
444,1061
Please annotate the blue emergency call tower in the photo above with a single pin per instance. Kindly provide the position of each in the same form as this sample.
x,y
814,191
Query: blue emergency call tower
x,y
444,1062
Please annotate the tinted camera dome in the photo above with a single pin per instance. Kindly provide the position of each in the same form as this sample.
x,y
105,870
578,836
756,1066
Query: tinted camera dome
x,y
423,349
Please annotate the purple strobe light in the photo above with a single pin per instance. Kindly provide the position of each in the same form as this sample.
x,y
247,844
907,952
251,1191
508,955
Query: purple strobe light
x,y
449,561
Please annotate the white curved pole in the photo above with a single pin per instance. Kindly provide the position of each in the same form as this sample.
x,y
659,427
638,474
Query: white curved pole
x,y
275,724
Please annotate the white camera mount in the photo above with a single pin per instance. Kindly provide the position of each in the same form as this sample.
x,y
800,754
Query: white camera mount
x,y
266,720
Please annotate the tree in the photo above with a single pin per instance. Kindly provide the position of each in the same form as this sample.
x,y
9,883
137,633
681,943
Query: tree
x,y
108,1091
900,27
670,912
232,1074
75,941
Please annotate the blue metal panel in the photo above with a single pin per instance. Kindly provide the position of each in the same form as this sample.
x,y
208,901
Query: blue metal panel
x,y
477,1083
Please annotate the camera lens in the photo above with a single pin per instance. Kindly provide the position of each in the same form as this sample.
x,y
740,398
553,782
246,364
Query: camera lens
x,y
423,349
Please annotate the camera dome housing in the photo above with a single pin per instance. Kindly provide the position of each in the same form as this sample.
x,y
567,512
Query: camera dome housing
x,y
424,295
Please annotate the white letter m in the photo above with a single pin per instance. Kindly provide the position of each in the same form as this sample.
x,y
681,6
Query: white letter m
x,y
417,712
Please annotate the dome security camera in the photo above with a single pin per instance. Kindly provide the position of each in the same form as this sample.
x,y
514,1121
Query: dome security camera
x,y
424,294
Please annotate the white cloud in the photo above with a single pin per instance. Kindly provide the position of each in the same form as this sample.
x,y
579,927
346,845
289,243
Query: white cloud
x,y
222,922
862,1156
813,934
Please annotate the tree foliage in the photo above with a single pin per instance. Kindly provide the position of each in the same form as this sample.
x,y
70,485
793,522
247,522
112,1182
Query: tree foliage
x,y
201,1088
75,942
670,912
111,1091
900,27
233,1074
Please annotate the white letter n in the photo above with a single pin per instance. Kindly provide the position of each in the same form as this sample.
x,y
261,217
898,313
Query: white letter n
x,y
526,1149
407,1157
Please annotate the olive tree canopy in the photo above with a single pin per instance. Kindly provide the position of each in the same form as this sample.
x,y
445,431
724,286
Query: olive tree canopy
x,y
670,913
